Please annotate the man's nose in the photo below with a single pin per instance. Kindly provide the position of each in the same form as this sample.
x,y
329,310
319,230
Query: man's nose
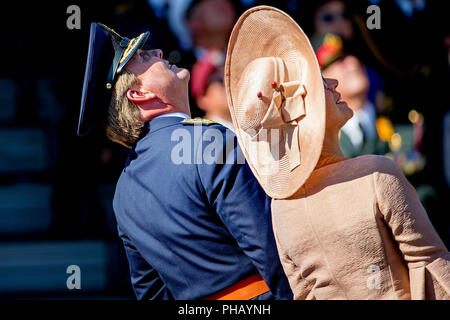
x,y
157,53
154,52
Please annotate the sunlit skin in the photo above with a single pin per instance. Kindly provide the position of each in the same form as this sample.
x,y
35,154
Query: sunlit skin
x,y
214,102
163,88
353,79
337,114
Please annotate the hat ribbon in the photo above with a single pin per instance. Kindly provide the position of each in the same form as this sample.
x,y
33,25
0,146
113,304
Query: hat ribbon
x,y
285,111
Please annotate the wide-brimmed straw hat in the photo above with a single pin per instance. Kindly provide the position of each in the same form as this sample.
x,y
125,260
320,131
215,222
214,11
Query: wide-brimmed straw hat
x,y
276,98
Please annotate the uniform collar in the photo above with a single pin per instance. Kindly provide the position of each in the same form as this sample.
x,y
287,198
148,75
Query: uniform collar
x,y
164,121
172,114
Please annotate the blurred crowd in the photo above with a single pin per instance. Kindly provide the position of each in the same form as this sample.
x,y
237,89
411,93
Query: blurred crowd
x,y
395,79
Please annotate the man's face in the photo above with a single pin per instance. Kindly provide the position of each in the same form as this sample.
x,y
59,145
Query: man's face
x,y
168,82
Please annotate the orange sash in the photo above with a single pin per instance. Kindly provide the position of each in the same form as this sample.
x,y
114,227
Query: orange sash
x,y
243,290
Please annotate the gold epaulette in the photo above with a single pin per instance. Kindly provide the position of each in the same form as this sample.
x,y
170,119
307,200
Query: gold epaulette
x,y
198,120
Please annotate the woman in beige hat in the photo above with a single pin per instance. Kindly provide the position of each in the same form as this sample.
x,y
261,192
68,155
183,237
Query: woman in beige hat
x,y
346,228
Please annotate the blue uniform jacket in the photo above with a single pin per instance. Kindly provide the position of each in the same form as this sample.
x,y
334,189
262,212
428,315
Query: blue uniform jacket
x,y
191,226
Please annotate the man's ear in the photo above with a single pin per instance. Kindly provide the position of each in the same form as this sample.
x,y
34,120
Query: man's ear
x,y
139,97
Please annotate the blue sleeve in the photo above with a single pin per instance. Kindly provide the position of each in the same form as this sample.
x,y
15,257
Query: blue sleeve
x,y
147,283
236,196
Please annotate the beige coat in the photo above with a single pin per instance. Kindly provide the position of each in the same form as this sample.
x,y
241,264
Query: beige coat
x,y
357,230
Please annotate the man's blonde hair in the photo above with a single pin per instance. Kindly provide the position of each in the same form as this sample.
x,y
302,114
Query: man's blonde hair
x,y
124,123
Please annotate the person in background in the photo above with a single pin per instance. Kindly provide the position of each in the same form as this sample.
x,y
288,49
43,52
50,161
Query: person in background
x,y
332,16
344,18
201,25
359,135
208,90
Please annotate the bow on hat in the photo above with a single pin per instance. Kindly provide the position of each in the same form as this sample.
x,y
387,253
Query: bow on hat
x,y
286,109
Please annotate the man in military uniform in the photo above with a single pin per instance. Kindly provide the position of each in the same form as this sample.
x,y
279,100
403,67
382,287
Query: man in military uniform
x,y
193,219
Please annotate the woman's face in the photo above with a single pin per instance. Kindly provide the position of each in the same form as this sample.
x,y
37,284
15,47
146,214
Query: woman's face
x,y
351,75
337,111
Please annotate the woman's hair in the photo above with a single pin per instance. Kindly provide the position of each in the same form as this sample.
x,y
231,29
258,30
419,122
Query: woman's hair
x,y
124,124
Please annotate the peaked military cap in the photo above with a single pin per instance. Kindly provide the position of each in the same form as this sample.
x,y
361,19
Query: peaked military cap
x,y
108,53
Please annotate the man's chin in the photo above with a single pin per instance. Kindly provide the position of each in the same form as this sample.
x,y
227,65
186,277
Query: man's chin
x,y
183,73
